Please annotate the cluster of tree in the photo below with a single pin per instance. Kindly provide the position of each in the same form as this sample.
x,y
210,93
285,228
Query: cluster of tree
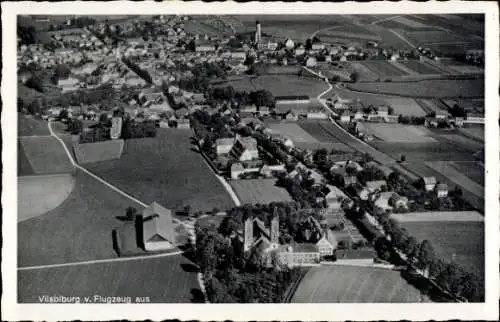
x,y
136,130
139,71
422,256
241,98
302,189
410,119
75,126
232,276
95,134
27,34
457,111
272,147
208,128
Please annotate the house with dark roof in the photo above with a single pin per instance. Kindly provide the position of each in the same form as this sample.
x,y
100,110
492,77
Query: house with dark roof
x,y
158,230
442,190
429,183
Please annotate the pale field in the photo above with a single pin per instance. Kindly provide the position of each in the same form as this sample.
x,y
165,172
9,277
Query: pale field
x,y
400,133
37,195
405,106
293,131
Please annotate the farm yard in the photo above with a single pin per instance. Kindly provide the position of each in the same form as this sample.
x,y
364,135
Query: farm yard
x,y
261,191
460,241
37,195
465,88
42,155
170,279
421,67
166,169
383,68
351,284
405,106
398,133
79,229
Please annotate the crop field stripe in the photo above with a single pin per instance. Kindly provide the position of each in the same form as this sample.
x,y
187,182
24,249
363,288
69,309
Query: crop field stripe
x,y
100,261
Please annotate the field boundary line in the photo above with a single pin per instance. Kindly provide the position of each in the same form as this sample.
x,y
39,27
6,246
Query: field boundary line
x,y
76,165
34,136
98,261
384,19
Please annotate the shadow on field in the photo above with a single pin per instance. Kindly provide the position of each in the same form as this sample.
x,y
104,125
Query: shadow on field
x,y
189,268
197,296
424,286
116,247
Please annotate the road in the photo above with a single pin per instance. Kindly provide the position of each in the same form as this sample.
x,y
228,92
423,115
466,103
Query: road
x,y
109,185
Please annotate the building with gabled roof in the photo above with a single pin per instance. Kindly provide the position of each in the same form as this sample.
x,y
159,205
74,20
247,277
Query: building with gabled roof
x,y
158,230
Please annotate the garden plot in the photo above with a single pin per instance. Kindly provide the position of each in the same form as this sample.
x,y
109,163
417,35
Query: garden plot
x,y
405,106
398,133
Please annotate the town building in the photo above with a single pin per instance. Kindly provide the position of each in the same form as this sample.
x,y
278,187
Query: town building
x,y
442,190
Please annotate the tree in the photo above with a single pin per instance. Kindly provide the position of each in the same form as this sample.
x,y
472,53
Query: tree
x,y
103,119
403,158
308,44
354,77
63,114
130,213
425,254
75,126
62,71
187,210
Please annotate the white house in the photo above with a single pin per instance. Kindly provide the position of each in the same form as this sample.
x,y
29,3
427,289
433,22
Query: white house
x,y
158,231
327,244
224,146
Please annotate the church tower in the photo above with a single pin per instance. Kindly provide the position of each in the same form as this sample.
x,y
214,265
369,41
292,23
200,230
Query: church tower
x,y
275,229
248,237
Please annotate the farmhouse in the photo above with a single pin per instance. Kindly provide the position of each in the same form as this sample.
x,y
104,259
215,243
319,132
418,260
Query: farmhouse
x,y
397,202
327,244
158,232
442,190
374,186
381,200
205,48
237,170
428,183
224,146
245,149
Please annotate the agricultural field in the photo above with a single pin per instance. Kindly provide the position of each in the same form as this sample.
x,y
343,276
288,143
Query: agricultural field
x,y
425,37
473,170
166,169
455,175
350,284
475,132
462,68
286,85
405,106
261,191
170,279
348,31
460,241
44,155
29,126
297,27
398,133
36,195
465,88
326,133
420,67
404,22
194,26
293,131
383,68
279,85
79,229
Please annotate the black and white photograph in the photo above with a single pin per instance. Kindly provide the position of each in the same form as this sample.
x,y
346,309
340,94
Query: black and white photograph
x,y
303,158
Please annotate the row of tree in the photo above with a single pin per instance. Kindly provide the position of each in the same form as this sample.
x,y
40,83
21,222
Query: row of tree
x,y
449,276
139,71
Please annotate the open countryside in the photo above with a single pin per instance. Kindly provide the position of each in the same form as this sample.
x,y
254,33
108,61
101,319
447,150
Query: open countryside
x,y
252,159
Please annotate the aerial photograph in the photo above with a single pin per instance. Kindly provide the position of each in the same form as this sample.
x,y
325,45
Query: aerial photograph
x,y
251,158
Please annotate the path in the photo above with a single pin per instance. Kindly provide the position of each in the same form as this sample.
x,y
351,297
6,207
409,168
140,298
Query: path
x,y
99,261
323,29
109,185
